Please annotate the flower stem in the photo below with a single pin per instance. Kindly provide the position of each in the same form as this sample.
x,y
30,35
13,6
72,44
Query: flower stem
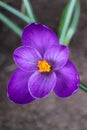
x,y
29,10
15,12
83,87
10,24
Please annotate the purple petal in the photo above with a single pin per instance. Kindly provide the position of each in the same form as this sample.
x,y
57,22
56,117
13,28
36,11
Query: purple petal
x,y
18,88
41,84
67,81
39,36
26,58
57,56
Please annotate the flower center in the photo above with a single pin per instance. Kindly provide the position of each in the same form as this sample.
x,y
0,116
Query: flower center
x,y
44,66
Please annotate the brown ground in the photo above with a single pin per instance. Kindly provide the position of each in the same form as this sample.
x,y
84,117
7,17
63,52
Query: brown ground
x,y
51,113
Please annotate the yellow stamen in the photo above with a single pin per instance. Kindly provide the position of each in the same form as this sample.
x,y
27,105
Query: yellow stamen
x,y
44,66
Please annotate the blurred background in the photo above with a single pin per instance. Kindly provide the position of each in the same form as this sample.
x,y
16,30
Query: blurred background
x,y
51,113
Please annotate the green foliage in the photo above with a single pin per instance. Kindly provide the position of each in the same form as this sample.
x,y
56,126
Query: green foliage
x,y
26,18
69,21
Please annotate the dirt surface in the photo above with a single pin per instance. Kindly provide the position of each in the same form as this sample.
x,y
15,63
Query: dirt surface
x,y
51,113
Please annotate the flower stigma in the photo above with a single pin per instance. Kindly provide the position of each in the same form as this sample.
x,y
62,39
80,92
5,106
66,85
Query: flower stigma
x,y
44,66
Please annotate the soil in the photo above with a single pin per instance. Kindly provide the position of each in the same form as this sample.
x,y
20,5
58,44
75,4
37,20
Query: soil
x,y
50,113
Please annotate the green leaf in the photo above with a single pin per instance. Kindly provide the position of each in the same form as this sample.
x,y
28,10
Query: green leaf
x,y
10,24
72,29
29,10
62,20
15,12
83,87
68,12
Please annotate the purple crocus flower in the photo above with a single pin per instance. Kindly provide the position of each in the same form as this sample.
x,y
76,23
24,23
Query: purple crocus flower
x,y
43,67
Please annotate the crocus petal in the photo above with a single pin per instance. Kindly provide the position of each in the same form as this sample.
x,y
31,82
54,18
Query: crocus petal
x,y
18,88
26,58
39,36
41,84
57,56
67,81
